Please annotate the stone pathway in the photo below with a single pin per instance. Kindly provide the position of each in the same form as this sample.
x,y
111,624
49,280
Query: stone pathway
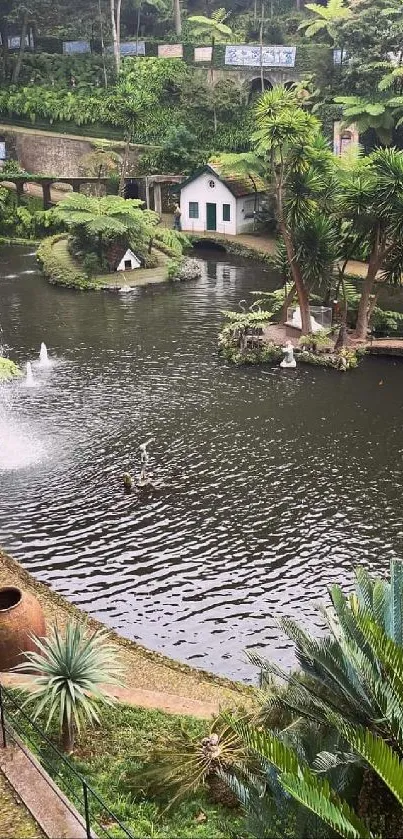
x,y
52,811
15,818
168,702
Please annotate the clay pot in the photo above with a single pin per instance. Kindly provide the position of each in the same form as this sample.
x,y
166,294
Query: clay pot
x,y
20,615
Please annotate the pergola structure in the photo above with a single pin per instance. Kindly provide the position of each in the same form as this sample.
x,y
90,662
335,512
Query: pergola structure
x,y
155,182
145,185
46,182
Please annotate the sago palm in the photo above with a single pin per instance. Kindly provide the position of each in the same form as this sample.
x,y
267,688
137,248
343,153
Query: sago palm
x,y
70,672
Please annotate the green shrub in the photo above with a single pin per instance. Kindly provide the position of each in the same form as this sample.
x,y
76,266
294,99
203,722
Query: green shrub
x,y
8,370
59,267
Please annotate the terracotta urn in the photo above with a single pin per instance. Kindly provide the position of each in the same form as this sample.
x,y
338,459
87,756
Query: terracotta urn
x,y
20,616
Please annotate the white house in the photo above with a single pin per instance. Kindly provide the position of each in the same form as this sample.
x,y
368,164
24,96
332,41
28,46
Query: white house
x,y
222,203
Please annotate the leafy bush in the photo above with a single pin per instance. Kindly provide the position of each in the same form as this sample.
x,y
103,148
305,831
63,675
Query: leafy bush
x,y
59,267
8,370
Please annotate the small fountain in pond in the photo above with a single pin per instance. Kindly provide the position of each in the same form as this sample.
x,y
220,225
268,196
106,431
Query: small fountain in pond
x,y
29,380
43,356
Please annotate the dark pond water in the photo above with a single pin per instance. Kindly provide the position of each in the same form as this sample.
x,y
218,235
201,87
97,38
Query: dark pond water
x,y
293,476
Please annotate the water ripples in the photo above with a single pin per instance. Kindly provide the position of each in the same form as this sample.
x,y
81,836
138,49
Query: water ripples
x,y
279,482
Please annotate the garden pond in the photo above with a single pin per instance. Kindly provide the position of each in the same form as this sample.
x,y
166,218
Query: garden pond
x,y
278,481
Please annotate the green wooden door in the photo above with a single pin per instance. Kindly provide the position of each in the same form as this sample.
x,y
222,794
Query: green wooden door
x,y
211,216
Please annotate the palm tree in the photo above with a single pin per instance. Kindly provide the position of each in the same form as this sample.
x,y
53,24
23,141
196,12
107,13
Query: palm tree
x,y
372,197
246,164
301,167
377,113
214,27
70,672
327,18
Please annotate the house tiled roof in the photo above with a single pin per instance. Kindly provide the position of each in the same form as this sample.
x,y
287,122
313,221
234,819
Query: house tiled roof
x,y
239,185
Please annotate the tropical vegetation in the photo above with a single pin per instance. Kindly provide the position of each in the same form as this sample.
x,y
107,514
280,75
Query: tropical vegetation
x,y
323,754
70,670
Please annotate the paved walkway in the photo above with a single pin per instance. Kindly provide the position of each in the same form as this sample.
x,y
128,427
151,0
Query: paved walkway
x,y
50,808
169,702
15,818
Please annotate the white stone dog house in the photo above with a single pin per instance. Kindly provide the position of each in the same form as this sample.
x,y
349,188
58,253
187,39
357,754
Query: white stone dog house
x,y
129,261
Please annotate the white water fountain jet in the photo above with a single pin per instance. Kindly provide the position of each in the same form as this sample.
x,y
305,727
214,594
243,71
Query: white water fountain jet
x,y
43,356
29,379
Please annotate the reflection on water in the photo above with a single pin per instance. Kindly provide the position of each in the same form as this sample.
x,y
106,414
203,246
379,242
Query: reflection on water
x,y
294,476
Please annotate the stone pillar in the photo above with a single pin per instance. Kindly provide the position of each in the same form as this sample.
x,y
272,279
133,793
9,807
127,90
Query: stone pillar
x,y
147,194
157,199
46,196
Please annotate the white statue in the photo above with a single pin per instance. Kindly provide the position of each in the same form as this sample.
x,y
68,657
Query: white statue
x,y
288,360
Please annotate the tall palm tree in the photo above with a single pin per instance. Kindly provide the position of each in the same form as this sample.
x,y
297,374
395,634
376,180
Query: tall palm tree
x,y
372,198
300,166
327,18
70,671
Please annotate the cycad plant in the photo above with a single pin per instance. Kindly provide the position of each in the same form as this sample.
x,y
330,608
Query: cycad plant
x,y
70,672
350,691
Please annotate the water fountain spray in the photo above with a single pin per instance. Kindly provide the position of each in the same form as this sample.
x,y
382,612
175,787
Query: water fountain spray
x,y
29,380
43,356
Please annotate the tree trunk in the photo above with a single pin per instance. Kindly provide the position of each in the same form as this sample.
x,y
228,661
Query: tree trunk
x,y
287,302
67,736
138,28
18,63
124,167
4,39
261,49
301,289
115,19
212,59
101,28
375,260
177,17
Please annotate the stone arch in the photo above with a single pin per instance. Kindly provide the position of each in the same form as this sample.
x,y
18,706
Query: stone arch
x,y
289,85
131,189
255,86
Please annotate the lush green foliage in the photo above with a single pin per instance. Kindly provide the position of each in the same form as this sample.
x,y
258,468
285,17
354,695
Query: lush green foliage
x,y
8,370
26,220
69,670
351,693
59,267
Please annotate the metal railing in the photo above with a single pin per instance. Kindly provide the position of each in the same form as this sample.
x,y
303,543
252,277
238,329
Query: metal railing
x,y
14,720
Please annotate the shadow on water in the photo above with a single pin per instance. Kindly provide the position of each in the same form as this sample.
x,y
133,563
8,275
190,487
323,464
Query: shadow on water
x,y
292,477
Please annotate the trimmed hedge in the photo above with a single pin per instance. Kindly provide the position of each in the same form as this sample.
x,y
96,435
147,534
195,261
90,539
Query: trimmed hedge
x,y
59,267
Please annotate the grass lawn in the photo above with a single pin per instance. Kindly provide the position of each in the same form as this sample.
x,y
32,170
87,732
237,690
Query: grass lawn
x,y
109,754
15,820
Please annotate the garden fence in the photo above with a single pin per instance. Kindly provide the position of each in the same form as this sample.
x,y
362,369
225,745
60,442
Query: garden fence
x,y
97,816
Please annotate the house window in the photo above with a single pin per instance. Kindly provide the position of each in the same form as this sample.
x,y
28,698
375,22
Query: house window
x,y
226,212
193,209
128,264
